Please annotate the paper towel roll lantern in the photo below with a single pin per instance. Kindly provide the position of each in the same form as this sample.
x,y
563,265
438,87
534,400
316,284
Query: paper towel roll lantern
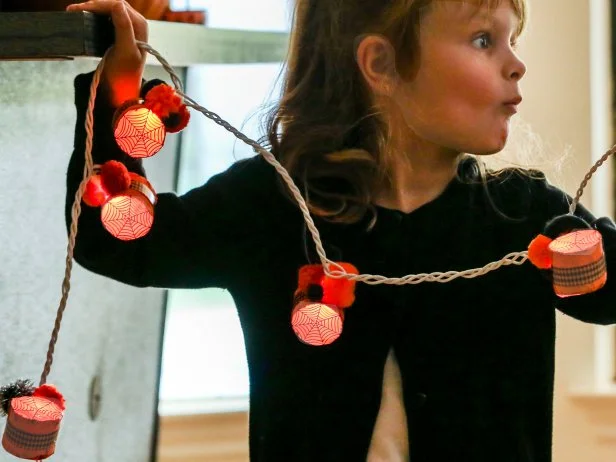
x,y
33,424
138,131
317,324
129,215
320,303
141,125
578,263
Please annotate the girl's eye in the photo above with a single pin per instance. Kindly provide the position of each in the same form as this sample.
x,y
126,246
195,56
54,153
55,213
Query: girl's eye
x,y
483,41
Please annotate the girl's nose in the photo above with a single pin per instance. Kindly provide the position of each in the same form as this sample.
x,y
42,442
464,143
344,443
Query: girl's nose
x,y
516,69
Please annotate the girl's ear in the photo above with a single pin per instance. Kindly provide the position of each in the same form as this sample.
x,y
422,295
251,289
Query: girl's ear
x,y
376,59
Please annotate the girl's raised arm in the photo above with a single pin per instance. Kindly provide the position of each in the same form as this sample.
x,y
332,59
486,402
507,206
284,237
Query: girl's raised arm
x,y
197,240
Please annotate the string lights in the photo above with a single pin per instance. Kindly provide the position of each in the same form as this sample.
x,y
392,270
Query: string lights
x,y
568,249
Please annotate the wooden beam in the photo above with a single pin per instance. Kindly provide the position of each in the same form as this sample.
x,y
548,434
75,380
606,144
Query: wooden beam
x,y
54,35
62,35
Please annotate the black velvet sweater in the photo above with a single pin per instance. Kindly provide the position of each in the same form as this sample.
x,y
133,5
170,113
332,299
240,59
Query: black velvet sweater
x,y
476,355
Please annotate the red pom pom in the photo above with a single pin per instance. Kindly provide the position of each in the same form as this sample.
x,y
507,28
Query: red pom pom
x,y
308,275
163,101
339,292
51,392
115,177
95,194
177,121
538,252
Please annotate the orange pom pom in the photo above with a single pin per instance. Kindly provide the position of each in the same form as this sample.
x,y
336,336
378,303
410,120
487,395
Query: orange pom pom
x,y
51,392
115,177
177,121
538,252
163,101
95,194
339,292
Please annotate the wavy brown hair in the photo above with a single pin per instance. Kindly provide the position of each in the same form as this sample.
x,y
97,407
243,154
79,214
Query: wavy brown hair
x,y
326,130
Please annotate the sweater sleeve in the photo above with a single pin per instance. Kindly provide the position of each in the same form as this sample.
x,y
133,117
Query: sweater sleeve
x,y
598,307
196,239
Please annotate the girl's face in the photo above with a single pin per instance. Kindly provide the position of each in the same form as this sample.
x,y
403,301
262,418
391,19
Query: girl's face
x,y
467,83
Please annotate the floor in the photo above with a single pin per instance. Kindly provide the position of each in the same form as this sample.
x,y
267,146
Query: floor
x,y
204,438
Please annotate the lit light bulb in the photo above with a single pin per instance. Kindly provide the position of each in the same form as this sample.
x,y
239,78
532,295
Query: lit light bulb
x,y
138,131
130,214
316,323
32,427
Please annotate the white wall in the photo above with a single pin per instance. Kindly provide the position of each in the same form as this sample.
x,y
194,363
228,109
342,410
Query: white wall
x,y
268,15
569,113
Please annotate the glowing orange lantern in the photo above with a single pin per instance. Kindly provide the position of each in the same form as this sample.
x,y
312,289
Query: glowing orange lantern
x,y
32,427
320,301
316,323
129,215
578,263
138,131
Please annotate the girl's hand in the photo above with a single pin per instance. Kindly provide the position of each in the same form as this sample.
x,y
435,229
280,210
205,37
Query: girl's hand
x,y
122,74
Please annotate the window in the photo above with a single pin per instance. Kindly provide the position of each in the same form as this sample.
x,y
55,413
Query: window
x,y
265,15
204,364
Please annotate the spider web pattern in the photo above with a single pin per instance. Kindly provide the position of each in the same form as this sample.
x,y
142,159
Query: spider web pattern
x,y
576,242
317,324
36,408
128,216
140,133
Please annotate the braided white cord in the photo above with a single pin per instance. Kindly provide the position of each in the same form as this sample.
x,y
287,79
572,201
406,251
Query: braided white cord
x,y
75,212
331,268
587,178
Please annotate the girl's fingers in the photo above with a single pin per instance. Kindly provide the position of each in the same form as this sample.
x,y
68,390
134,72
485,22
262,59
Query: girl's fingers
x,y
125,60
124,35
94,6
140,25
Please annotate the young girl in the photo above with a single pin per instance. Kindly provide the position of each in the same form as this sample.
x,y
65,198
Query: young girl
x,y
381,100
